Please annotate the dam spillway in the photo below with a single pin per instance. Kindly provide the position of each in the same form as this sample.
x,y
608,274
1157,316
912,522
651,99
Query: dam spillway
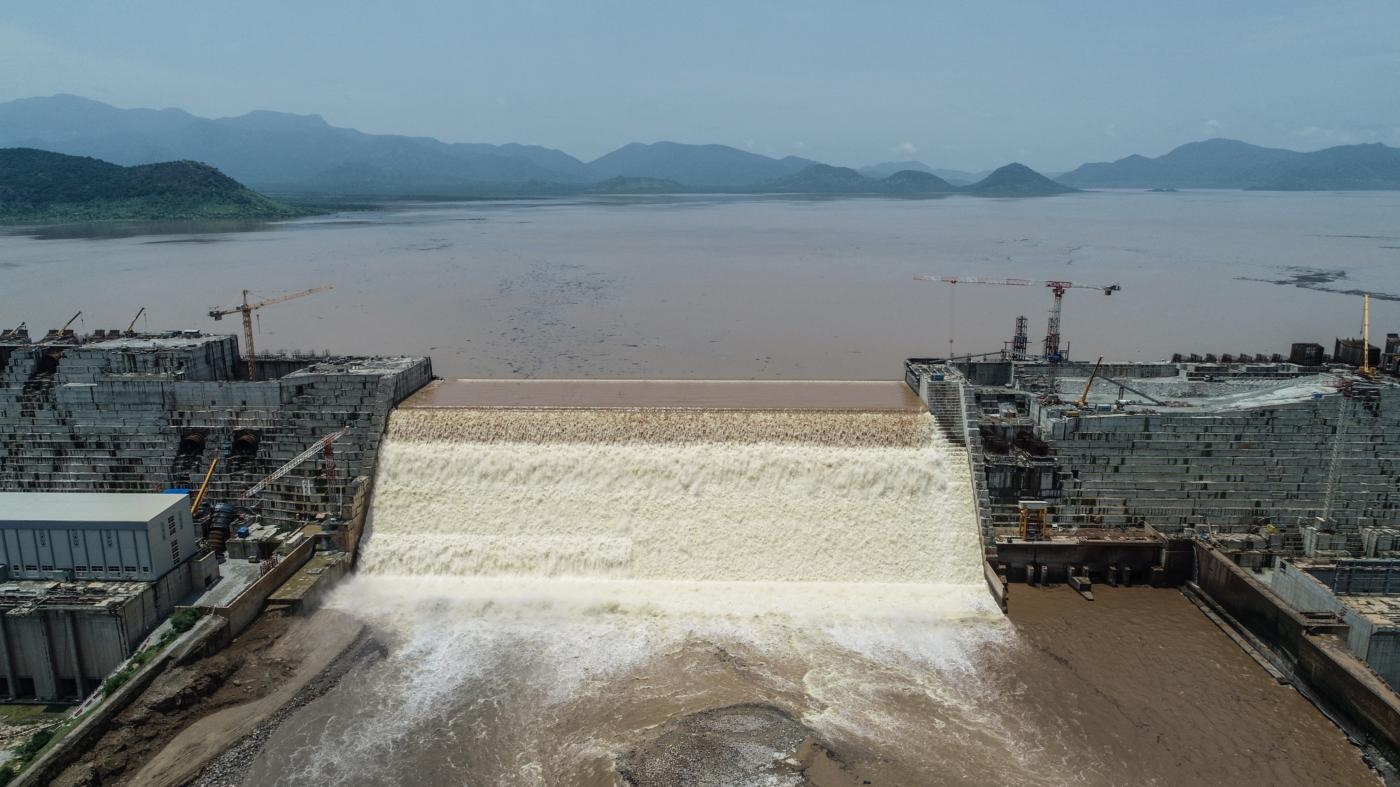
x,y
597,584
673,480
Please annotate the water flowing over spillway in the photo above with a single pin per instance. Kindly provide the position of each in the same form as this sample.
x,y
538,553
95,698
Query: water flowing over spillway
x,y
803,496
555,585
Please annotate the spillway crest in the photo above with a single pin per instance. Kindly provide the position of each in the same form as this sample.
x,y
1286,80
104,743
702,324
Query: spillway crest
x,y
673,495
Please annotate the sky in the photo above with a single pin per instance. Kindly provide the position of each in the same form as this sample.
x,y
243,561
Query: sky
x,y
968,85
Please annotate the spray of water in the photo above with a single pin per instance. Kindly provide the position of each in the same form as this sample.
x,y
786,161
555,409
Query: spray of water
x,y
552,584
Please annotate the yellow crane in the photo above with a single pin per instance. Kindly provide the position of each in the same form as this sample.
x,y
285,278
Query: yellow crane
x,y
247,309
1083,400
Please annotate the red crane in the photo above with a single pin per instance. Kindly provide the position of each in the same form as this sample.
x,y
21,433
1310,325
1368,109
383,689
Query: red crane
x,y
1052,330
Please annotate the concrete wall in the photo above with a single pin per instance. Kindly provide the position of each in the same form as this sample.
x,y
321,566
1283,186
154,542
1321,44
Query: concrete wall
x,y
244,609
1172,563
93,425
1317,652
1232,468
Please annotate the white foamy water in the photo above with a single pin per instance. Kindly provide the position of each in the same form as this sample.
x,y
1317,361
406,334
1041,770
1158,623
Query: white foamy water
x,y
757,511
546,603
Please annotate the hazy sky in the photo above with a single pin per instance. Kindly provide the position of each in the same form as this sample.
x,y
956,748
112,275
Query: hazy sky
x,y
970,85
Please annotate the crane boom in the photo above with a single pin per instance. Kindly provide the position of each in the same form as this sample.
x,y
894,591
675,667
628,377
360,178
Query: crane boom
x,y
129,328
246,309
317,447
1052,329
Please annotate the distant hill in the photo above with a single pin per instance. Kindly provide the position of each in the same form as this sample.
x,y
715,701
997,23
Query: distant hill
x,y
1231,164
887,168
911,181
271,150
621,185
40,186
824,179
1344,168
956,177
1016,180
694,165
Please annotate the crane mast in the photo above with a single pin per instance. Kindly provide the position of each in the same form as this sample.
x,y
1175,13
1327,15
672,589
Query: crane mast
x,y
247,309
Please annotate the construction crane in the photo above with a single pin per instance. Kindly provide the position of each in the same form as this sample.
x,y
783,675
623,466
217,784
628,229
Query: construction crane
x,y
131,329
1083,400
247,309
1366,370
16,332
1052,331
322,446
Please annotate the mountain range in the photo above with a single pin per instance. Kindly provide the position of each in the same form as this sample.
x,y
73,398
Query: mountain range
x,y
1231,164
304,155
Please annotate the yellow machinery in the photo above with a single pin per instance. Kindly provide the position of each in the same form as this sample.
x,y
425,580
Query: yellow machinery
x,y
1083,400
247,309
204,486
1033,519
131,329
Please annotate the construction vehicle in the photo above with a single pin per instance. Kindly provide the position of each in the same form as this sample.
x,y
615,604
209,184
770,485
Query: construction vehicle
x,y
62,333
1051,348
247,309
131,327
17,333
1083,400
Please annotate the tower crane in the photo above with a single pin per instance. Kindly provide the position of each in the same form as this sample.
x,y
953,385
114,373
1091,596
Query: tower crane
x,y
1052,330
247,309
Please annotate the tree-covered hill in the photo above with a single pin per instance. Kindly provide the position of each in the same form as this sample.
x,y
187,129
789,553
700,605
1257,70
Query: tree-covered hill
x,y
40,186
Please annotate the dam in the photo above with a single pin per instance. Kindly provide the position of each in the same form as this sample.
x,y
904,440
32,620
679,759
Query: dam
x,y
631,582
647,583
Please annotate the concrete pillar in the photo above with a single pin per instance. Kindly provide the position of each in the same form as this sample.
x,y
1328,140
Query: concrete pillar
x,y
73,652
6,663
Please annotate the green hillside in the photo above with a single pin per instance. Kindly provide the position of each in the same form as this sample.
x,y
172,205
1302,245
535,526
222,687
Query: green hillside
x,y
37,186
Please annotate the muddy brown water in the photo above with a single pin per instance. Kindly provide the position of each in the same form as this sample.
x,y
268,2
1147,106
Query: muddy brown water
x,y
726,288
1136,687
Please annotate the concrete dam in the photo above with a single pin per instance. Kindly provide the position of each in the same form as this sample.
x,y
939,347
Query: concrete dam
x,y
582,580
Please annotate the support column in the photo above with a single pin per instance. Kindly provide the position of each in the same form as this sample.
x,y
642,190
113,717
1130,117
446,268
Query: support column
x,y
6,663
74,653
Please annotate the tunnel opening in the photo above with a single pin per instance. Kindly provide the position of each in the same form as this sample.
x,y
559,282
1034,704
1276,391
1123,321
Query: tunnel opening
x,y
188,457
243,449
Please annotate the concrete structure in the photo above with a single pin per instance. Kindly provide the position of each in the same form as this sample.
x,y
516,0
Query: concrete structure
x,y
58,640
145,413
1363,594
1311,462
95,536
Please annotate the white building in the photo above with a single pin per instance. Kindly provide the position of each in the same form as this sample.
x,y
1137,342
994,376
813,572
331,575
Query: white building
x,y
93,536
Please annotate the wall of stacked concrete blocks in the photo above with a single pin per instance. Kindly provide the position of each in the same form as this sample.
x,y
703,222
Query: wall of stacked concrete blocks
x,y
950,399
1235,469
114,417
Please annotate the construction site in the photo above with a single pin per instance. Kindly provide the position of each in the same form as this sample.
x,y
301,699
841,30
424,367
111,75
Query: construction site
x,y
1266,488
